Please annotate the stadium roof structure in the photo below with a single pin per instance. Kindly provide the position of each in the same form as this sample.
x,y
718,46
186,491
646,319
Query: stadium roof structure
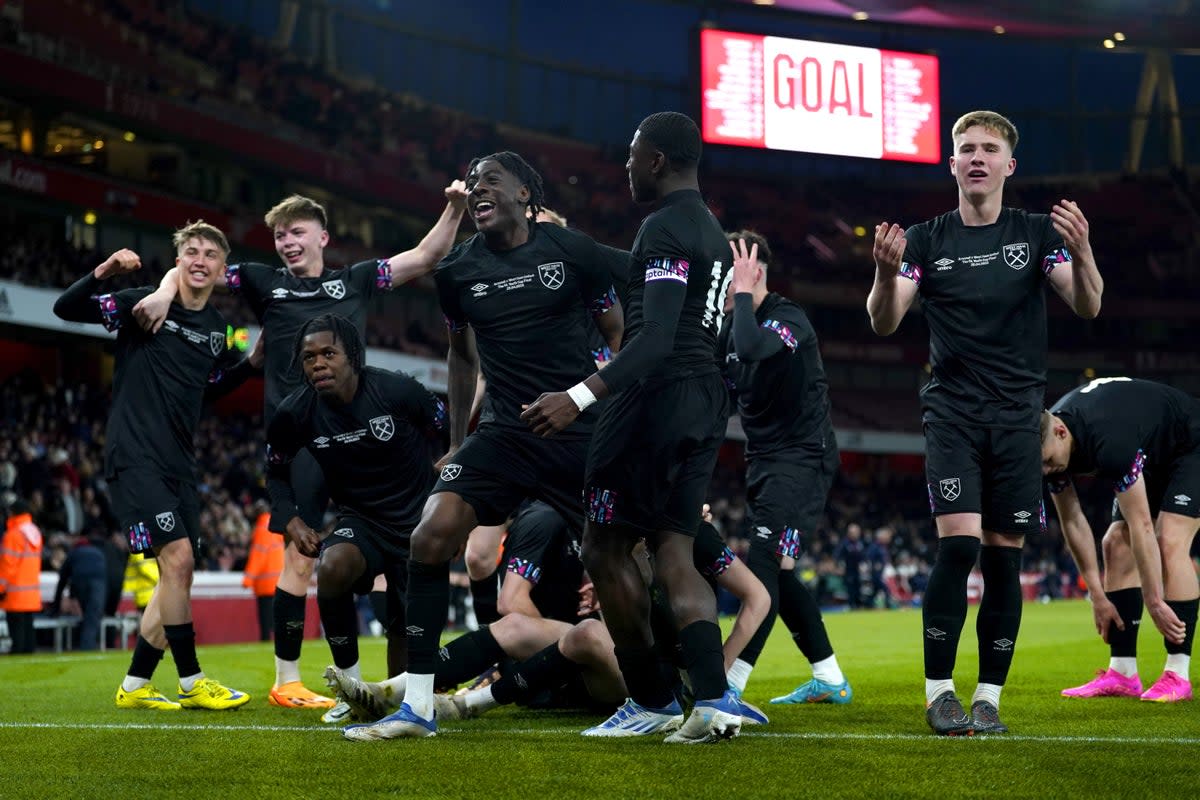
x,y
1172,24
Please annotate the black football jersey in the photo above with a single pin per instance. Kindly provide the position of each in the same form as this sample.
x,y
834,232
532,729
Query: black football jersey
x,y
524,307
376,452
283,303
781,392
982,289
1122,427
682,241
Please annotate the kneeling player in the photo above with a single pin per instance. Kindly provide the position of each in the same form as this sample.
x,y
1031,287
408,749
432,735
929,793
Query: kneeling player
x,y
1144,437
373,433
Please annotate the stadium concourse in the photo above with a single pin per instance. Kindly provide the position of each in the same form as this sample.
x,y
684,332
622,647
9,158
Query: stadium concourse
x,y
121,120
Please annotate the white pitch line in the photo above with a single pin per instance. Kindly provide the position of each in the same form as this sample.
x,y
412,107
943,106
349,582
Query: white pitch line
x,y
815,736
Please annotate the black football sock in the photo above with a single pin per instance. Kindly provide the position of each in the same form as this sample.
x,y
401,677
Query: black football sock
x,y
182,641
145,659
1186,611
705,662
547,669
1123,643
466,657
339,617
800,613
379,608
643,677
426,607
999,618
944,610
289,625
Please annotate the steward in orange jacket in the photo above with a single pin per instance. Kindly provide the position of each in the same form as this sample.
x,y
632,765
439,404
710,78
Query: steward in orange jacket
x,y
263,566
20,571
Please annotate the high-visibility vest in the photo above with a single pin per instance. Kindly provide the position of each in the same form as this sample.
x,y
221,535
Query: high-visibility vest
x,y
265,562
21,565
141,576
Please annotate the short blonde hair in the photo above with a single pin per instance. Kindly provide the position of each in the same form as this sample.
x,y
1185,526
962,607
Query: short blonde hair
x,y
200,230
988,120
295,208
550,215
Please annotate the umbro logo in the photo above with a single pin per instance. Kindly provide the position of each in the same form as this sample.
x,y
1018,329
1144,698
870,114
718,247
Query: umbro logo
x,y
347,533
479,288
936,634
944,262
321,441
1003,645
764,532
1022,517
338,640
279,294
444,654
415,629
1182,499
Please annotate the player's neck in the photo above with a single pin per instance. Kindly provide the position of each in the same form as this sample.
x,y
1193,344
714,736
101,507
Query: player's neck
x,y
308,271
677,182
507,239
194,299
980,211
759,294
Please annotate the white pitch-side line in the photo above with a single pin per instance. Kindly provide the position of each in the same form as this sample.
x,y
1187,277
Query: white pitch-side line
x,y
816,736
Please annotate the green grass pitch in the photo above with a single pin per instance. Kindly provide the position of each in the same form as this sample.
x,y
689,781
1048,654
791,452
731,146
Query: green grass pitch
x,y
62,737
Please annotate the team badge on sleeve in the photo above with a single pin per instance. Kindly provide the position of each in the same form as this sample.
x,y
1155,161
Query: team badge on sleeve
x,y
383,427
951,488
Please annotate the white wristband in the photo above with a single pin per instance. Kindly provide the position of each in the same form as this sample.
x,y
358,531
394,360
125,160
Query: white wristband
x,y
582,395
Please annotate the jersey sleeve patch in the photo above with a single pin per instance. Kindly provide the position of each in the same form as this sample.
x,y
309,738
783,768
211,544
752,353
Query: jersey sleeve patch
x,y
439,414
110,314
233,277
911,271
1135,472
720,564
667,269
383,274
602,304
526,569
785,333
1059,256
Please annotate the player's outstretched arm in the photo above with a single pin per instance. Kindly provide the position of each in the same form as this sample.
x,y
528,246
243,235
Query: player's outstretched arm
x,y
739,581
890,297
422,259
77,303
1078,282
1077,532
1135,508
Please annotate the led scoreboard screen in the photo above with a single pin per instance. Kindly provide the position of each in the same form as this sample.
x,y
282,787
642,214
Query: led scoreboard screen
x,y
815,97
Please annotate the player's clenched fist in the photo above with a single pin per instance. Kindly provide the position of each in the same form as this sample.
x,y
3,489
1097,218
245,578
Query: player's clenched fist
x,y
122,261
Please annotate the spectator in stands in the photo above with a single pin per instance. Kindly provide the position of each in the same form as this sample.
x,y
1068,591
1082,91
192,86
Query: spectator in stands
x,y
879,561
850,553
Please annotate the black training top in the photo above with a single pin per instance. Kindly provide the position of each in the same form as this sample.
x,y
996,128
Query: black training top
x,y
524,306
160,379
772,363
283,303
680,269
1122,426
376,452
982,290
